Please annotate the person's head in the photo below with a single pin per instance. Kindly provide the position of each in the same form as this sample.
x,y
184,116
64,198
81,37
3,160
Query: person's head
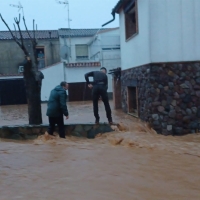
x,y
64,84
103,69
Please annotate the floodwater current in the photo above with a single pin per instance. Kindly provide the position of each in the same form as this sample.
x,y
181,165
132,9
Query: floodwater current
x,y
131,163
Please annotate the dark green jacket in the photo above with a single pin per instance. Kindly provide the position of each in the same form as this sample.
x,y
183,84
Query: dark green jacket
x,y
57,103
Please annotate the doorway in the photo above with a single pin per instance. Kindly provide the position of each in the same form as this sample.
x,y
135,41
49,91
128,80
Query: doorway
x,y
132,98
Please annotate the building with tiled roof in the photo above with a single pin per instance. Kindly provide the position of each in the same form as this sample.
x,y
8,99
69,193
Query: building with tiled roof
x,y
11,56
40,34
77,32
68,55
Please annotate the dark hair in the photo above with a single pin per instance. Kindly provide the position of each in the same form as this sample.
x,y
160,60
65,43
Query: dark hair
x,y
63,83
103,68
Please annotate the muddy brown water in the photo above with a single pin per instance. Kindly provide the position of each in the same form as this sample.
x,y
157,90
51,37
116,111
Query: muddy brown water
x,y
132,164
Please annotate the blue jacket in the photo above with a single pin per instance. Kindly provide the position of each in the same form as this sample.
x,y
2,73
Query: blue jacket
x,y
57,103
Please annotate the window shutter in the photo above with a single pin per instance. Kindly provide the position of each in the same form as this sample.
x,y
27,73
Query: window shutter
x,y
81,51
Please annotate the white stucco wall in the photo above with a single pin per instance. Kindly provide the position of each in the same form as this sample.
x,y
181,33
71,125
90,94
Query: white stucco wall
x,y
169,31
53,75
75,41
108,58
76,75
136,51
104,39
174,30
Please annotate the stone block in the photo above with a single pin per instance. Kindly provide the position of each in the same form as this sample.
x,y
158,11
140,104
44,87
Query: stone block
x,y
184,86
194,109
198,93
78,128
198,80
164,103
178,130
171,73
165,132
15,137
166,88
161,108
87,127
169,127
156,123
173,103
172,113
186,119
171,85
188,111
156,103
76,134
164,125
155,116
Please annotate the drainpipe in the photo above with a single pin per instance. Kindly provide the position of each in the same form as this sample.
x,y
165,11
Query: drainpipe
x,y
113,14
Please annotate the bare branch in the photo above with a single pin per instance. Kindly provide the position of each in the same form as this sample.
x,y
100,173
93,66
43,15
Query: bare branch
x,y
15,30
28,31
19,18
21,37
15,39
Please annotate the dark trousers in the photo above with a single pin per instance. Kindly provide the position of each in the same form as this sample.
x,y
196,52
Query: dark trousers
x,y
60,122
101,90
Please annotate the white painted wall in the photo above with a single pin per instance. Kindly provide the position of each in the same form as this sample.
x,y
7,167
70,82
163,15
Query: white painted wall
x,y
75,41
174,30
169,31
108,58
136,51
77,75
53,75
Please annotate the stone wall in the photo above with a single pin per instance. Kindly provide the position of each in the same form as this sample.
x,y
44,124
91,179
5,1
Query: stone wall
x,y
28,132
168,95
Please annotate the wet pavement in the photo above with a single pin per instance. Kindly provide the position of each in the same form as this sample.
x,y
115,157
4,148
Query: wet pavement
x,y
79,112
133,163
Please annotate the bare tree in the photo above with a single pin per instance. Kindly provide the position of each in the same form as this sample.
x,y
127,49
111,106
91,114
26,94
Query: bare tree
x,y
32,76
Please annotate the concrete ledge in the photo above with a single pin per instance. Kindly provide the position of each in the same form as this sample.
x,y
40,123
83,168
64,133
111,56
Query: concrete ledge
x,y
28,132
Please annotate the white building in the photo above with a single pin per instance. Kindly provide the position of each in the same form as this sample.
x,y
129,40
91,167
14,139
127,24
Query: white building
x,y
82,51
160,62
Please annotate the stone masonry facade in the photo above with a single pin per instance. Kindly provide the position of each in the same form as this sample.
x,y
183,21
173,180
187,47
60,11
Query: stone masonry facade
x,y
168,95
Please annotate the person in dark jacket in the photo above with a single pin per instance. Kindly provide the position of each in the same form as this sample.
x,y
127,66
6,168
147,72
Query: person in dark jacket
x,y
57,108
99,89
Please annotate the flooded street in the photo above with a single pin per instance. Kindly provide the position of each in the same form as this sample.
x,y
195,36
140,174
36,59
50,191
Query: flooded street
x,y
133,163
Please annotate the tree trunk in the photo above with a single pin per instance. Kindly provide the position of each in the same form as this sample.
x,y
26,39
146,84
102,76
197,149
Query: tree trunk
x,y
32,77
33,93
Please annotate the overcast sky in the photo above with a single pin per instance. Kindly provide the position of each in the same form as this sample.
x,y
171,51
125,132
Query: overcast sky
x,y
50,15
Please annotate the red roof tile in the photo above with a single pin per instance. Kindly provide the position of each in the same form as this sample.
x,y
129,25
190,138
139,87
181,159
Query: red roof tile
x,y
88,64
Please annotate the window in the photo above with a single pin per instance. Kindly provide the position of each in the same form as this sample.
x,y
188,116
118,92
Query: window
x,y
81,51
132,98
131,19
40,57
112,48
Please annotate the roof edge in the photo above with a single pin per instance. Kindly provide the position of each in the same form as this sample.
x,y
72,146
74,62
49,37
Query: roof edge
x,y
118,6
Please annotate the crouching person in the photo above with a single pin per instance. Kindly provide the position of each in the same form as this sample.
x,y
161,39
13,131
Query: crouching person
x,y
56,108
